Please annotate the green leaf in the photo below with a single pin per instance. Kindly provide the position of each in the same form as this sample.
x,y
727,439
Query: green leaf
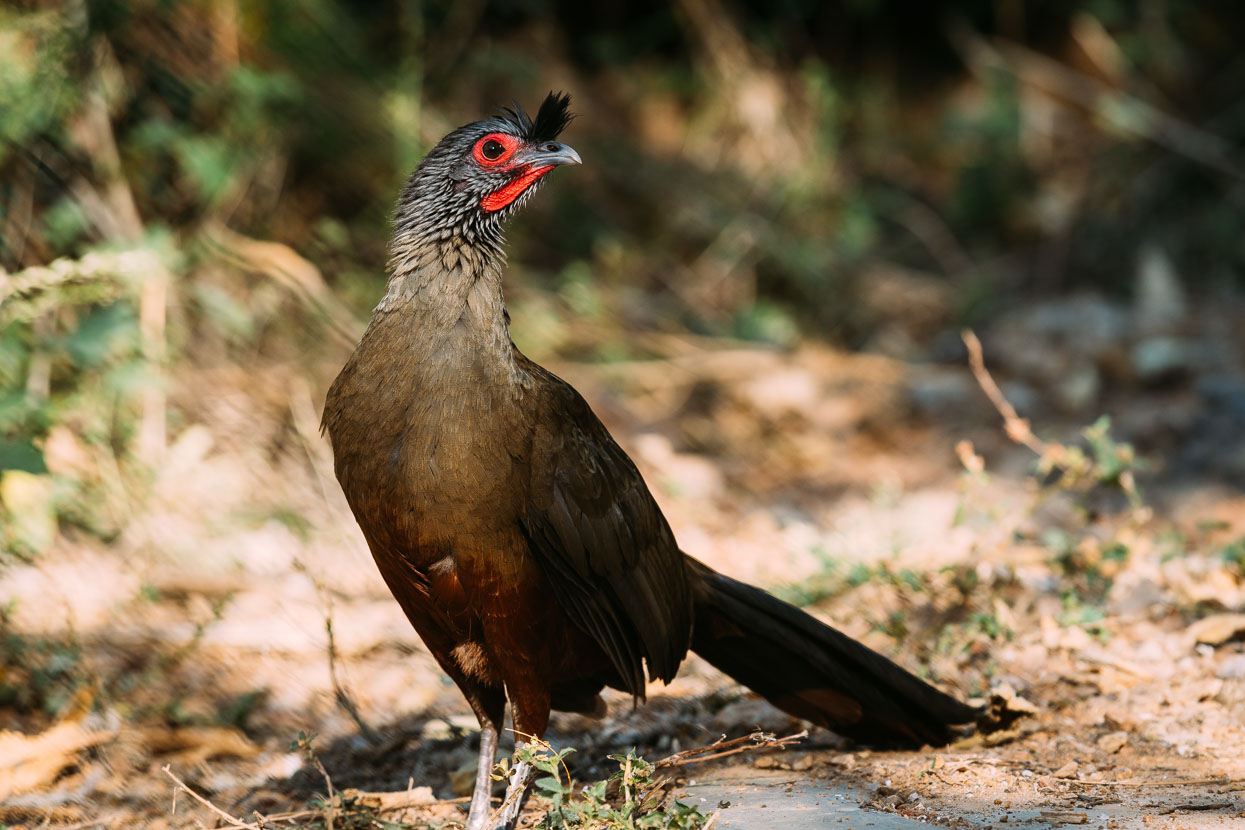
x,y
21,454
549,784
103,334
209,163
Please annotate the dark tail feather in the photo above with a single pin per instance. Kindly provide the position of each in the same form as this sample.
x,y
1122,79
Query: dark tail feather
x,y
808,669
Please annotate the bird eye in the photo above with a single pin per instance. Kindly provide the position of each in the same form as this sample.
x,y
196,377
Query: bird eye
x,y
492,149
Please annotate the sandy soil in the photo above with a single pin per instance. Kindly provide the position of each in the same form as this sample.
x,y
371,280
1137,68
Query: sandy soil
x,y
239,608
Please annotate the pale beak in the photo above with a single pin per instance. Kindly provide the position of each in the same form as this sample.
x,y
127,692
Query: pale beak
x,y
549,154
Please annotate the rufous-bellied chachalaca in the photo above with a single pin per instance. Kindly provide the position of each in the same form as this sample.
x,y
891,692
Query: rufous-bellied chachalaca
x,y
515,533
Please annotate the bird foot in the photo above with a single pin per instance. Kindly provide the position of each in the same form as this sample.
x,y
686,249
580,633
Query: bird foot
x,y
481,796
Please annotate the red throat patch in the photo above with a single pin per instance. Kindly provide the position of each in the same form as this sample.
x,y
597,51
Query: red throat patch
x,y
498,199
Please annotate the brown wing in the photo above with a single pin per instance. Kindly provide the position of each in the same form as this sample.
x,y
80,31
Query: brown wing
x,y
605,546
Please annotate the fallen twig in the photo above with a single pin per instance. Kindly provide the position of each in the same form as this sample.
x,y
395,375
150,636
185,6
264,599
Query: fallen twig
x,y
1216,805
1196,782
330,809
377,802
181,785
722,748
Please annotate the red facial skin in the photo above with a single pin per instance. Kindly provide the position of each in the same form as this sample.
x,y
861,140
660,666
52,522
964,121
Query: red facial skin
x,y
501,197
498,199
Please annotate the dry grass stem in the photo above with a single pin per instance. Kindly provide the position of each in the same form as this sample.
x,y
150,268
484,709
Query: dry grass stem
x,y
1017,428
293,272
181,785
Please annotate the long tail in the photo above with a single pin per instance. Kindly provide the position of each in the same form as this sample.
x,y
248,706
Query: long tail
x,y
808,669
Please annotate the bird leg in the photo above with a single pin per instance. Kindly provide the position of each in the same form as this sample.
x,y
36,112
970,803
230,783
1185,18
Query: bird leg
x,y
481,796
508,813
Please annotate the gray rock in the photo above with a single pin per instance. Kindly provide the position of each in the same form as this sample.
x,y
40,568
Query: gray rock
x,y
1077,388
1037,340
941,391
1161,357
1225,393
1160,301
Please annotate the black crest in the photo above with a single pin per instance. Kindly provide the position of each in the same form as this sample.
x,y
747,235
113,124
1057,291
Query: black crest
x,y
551,119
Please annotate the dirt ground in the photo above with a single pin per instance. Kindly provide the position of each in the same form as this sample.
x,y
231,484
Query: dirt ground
x,y
239,607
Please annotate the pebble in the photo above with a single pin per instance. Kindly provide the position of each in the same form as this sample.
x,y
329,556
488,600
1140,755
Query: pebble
x,y
1113,742
1068,770
1232,669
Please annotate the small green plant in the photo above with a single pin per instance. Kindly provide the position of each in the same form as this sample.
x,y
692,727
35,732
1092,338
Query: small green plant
x,y
827,582
305,743
990,625
894,626
631,799
1108,463
963,578
42,674
1088,564
831,581
1234,555
1062,467
1088,617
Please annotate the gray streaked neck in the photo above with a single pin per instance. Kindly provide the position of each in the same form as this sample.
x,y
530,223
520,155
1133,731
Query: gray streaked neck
x,y
448,291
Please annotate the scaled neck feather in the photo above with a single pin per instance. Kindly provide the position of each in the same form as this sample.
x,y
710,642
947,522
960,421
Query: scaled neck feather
x,y
445,295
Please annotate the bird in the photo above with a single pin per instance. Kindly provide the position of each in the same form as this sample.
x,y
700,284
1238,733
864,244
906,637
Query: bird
x,y
518,537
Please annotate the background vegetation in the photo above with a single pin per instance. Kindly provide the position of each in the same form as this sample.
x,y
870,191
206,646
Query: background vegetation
x,y
753,171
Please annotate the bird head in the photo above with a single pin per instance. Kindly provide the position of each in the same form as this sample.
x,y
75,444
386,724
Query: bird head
x,y
481,173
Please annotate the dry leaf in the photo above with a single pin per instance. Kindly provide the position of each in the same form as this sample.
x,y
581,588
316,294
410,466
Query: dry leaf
x,y
1217,629
192,745
29,761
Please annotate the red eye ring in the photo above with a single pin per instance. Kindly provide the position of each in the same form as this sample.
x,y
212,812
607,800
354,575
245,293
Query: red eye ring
x,y
494,149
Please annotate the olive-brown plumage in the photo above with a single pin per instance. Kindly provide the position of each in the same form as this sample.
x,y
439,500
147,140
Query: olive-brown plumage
x,y
518,537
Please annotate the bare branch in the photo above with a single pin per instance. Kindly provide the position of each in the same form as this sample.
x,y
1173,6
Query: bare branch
x,y
1017,428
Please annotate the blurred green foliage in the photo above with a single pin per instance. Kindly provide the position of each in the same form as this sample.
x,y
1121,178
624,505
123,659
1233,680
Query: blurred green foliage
x,y
751,170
